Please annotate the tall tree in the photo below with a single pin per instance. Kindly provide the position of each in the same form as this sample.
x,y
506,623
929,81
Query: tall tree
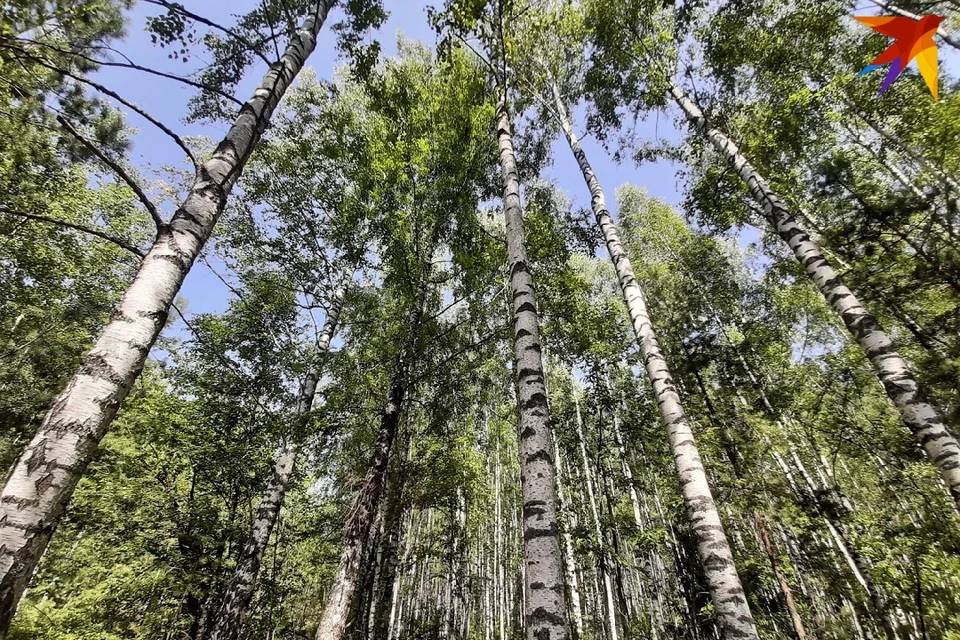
x,y
544,601
46,474
628,23
240,592
729,599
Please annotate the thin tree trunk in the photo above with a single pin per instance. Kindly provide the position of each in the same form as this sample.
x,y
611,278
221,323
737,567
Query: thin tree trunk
x,y
47,472
920,416
385,592
570,564
912,154
229,619
597,530
726,590
544,601
334,621
781,578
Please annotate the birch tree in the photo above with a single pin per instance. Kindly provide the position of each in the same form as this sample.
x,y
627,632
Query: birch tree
x,y
920,416
733,610
46,474
230,617
544,598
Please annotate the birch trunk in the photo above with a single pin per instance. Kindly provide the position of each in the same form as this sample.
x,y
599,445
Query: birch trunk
x,y
726,591
544,601
47,472
334,621
229,619
570,563
920,416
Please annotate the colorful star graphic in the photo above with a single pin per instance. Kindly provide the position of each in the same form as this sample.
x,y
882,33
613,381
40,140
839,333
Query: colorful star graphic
x,y
914,39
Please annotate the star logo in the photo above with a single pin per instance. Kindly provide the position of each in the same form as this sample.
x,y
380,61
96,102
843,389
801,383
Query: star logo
x,y
913,39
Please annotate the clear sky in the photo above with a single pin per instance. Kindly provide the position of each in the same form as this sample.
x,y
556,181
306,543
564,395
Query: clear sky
x,y
167,100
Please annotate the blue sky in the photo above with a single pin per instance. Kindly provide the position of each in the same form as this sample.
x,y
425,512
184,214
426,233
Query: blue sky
x,y
167,100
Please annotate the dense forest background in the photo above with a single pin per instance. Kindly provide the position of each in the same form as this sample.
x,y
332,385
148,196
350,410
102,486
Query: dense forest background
x,y
310,329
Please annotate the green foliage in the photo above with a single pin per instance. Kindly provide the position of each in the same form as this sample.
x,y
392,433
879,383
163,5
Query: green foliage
x,y
389,170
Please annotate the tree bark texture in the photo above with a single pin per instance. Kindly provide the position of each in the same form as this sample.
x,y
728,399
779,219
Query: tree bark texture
x,y
920,416
47,472
716,557
335,621
544,601
795,618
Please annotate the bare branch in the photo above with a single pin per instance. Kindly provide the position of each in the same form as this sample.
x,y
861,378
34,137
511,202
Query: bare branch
x,y
120,171
437,368
123,244
129,64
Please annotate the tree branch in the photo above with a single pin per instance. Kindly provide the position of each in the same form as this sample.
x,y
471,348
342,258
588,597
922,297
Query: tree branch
x,y
123,244
129,64
120,171
113,94
171,6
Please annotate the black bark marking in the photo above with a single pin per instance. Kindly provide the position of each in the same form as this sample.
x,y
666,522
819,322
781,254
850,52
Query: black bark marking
x,y
543,455
536,401
531,533
519,267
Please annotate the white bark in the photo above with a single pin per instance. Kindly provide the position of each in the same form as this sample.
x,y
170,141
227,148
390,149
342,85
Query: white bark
x,y
726,590
570,563
920,416
47,472
543,599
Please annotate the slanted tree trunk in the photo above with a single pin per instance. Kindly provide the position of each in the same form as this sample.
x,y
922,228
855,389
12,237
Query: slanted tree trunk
x,y
716,558
47,472
240,592
334,621
920,416
544,601
781,577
